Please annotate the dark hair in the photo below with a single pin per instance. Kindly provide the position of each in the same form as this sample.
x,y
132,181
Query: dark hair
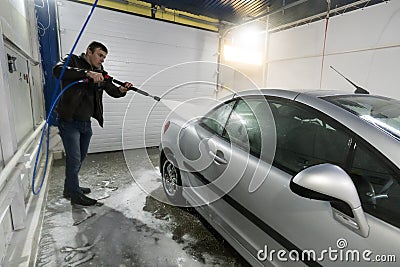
x,y
93,45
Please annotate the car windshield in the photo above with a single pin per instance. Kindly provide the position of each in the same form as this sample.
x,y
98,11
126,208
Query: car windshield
x,y
381,111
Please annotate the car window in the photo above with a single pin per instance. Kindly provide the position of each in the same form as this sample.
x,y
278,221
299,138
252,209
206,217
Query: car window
x,y
243,126
216,119
305,137
381,111
377,185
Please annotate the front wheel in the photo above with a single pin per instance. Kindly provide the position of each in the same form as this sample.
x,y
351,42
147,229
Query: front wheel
x,y
172,183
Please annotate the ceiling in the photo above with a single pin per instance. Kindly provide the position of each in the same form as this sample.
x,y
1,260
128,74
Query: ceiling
x,y
281,12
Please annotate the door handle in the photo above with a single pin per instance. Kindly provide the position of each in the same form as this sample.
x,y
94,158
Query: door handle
x,y
346,220
219,160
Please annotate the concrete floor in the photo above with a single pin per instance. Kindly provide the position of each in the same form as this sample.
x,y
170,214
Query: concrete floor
x,y
134,227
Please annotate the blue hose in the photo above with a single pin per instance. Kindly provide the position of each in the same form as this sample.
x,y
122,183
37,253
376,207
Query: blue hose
x,y
48,138
54,102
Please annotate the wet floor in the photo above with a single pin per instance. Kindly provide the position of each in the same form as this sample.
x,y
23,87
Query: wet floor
x,y
134,226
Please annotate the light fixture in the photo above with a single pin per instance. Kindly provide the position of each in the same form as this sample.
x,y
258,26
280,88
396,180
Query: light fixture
x,y
242,55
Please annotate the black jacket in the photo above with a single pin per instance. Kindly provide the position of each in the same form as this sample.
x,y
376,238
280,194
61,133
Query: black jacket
x,y
72,99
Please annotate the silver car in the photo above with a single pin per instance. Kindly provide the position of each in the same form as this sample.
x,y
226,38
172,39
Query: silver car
x,y
293,178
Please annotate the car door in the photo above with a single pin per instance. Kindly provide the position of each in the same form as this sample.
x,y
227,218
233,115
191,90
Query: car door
x,y
236,171
306,137
247,212
230,152
207,144
195,145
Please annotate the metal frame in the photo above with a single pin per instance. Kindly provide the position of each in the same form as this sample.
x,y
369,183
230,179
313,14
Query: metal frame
x,y
336,11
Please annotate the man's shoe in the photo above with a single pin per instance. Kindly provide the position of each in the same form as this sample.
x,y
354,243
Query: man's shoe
x,y
85,190
82,200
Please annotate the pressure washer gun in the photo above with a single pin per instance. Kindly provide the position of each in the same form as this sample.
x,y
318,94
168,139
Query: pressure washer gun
x,y
132,88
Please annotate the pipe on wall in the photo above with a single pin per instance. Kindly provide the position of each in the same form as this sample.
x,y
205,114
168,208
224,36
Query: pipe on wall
x,y
10,166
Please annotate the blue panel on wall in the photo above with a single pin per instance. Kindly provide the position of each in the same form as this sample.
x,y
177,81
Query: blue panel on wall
x,y
47,29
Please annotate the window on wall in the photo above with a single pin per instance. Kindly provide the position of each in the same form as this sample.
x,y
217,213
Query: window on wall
x,y
306,138
377,185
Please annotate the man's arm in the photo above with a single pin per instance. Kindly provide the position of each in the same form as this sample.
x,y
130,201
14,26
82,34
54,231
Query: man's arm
x,y
116,91
71,72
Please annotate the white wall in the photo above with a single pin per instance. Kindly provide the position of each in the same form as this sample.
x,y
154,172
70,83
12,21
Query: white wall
x,y
18,118
364,45
19,34
142,51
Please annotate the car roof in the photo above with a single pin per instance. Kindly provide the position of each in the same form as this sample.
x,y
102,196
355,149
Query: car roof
x,y
323,93
291,94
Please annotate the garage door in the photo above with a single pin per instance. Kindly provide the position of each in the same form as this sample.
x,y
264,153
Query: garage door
x,y
156,56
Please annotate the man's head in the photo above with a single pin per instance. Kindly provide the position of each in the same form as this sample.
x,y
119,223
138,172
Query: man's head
x,y
96,54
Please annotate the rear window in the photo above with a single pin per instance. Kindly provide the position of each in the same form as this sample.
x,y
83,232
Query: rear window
x,y
382,112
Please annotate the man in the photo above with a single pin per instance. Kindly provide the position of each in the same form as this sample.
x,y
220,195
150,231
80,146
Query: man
x,y
77,105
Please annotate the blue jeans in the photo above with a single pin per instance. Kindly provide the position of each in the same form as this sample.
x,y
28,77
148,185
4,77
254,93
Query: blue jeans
x,y
75,136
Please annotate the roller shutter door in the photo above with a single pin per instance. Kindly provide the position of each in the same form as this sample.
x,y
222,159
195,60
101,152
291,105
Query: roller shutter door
x,y
156,56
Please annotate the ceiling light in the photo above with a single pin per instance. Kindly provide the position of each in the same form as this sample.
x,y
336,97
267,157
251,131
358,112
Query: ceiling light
x,y
242,55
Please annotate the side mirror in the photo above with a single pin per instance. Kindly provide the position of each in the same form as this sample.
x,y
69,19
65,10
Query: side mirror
x,y
331,183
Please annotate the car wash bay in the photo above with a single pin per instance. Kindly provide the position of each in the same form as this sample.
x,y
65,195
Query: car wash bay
x,y
181,53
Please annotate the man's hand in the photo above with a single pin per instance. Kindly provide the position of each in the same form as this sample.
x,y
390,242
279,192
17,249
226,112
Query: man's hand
x,y
96,76
125,88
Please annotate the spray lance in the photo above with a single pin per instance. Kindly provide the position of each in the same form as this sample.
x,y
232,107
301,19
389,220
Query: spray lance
x,y
109,78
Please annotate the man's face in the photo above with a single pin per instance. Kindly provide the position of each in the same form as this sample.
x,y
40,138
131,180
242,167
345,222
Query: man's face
x,y
96,58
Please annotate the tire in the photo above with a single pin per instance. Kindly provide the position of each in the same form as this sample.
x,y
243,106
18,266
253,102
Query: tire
x,y
172,183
